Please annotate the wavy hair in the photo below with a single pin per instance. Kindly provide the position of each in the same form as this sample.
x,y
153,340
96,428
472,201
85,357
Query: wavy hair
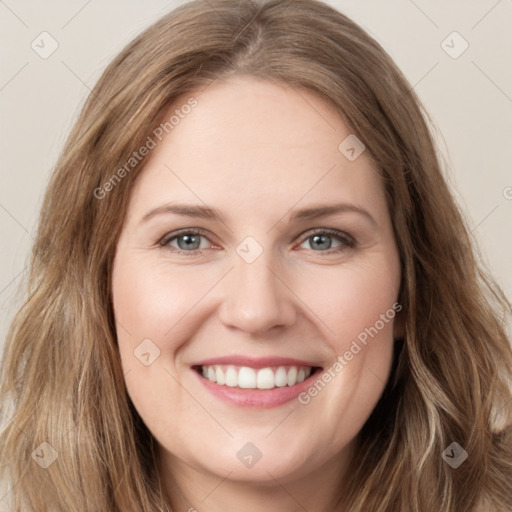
x,y
62,381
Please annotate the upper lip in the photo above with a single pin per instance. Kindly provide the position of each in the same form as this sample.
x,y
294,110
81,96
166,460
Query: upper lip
x,y
256,362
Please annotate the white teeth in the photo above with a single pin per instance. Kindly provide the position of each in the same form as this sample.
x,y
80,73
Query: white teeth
x,y
211,375
280,378
231,377
247,378
265,379
221,379
251,378
292,376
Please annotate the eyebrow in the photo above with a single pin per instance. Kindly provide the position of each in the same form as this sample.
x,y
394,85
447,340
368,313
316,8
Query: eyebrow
x,y
205,212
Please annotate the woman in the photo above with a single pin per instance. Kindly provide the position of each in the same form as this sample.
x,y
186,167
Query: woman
x,y
251,288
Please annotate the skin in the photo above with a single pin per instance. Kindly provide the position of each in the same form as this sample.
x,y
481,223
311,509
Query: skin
x,y
258,152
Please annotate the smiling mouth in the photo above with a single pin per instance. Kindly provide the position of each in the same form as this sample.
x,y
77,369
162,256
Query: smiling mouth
x,y
245,377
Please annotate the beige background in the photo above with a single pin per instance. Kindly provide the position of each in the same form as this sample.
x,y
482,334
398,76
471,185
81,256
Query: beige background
x,y
469,99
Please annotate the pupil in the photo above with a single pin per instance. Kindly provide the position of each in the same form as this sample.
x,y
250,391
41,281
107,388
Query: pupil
x,y
324,242
189,242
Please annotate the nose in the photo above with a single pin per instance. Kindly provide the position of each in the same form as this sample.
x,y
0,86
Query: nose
x,y
256,298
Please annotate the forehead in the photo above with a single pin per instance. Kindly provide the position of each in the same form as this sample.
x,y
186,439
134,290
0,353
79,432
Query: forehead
x,y
249,144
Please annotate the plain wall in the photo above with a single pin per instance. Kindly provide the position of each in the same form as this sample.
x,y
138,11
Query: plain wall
x,y
469,99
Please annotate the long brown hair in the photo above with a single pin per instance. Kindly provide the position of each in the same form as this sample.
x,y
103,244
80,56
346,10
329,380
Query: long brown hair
x,y
62,382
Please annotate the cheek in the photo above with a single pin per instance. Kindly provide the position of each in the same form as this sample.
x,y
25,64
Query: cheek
x,y
345,302
351,301
150,308
356,305
359,307
152,302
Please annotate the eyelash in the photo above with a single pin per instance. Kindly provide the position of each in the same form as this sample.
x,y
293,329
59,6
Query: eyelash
x,y
347,241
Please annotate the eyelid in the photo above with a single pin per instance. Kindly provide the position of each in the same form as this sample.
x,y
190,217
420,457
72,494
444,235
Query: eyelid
x,y
166,239
347,240
341,235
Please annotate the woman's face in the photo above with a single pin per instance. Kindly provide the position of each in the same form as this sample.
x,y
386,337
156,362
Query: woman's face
x,y
256,250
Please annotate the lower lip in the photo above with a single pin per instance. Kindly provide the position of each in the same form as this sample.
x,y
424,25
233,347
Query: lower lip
x,y
259,398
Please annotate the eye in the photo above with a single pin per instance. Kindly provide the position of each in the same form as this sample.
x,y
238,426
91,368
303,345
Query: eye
x,y
328,241
186,241
192,241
